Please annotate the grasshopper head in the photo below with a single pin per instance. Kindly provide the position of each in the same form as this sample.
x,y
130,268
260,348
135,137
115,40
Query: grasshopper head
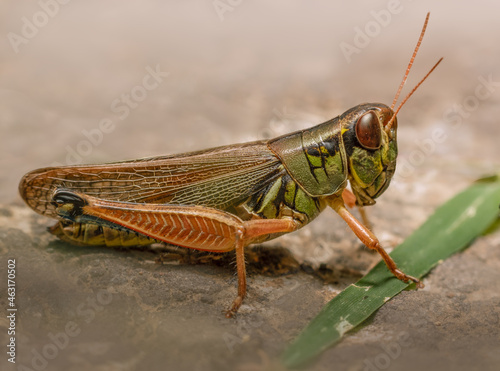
x,y
370,140
371,150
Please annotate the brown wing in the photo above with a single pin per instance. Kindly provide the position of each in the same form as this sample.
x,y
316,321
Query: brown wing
x,y
218,178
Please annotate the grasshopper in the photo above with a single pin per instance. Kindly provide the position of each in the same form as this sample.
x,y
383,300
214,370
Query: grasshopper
x,y
229,197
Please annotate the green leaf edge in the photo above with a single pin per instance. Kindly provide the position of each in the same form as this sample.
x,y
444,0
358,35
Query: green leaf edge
x,y
472,212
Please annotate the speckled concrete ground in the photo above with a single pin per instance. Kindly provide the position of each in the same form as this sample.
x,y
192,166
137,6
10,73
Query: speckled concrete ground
x,y
237,73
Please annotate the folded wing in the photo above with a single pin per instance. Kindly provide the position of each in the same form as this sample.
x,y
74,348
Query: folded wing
x,y
218,178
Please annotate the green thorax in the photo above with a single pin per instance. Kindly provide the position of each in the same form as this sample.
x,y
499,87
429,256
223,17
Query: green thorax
x,y
315,158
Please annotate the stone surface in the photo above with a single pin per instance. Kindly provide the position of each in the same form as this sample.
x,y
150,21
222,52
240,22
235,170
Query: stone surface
x,y
256,71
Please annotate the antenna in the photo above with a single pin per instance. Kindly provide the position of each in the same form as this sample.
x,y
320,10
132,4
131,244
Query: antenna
x,y
403,82
389,124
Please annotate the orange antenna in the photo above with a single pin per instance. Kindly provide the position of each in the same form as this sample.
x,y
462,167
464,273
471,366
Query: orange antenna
x,y
403,82
389,124
411,61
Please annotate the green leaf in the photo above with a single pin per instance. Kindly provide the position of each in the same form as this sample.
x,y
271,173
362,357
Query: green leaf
x,y
450,229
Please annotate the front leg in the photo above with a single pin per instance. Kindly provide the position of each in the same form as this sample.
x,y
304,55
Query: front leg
x,y
369,239
194,227
350,200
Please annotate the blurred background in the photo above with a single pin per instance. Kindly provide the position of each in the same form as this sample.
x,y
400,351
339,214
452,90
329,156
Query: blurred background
x,y
92,81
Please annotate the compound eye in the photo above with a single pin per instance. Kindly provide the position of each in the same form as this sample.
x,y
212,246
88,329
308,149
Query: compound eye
x,y
368,131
